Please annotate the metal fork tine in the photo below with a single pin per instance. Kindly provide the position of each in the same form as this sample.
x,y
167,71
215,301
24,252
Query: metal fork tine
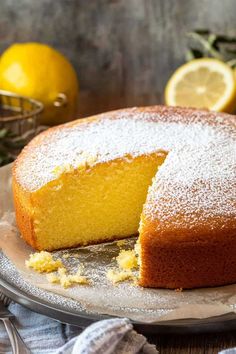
x,y
17,343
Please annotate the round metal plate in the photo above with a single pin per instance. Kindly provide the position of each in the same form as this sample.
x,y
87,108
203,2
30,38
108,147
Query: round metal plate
x,y
83,319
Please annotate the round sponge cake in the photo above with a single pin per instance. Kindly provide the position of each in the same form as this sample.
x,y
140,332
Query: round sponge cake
x,y
168,172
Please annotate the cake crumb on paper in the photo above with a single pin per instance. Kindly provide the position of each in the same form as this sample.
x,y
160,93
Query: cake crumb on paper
x,y
67,280
43,262
66,256
126,261
117,276
120,243
53,278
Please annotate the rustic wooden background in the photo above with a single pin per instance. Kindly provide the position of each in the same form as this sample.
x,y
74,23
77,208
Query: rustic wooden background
x,y
123,50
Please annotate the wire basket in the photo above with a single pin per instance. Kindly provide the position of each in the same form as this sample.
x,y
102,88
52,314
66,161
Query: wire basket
x,y
19,122
19,113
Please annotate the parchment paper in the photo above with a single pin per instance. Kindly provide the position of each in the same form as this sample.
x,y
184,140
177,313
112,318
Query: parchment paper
x,y
124,299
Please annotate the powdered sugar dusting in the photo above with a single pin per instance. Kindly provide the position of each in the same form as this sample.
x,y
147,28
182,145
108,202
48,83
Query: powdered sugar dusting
x,y
199,172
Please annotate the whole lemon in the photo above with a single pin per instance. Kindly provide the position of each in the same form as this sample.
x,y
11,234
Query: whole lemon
x,y
38,71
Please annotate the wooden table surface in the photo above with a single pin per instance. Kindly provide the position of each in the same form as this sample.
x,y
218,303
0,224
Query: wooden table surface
x,y
123,51
211,343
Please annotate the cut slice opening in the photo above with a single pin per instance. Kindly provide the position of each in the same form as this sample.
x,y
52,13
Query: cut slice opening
x,y
101,203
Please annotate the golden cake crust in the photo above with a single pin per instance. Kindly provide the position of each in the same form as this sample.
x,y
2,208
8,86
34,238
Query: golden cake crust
x,y
23,218
204,257
188,228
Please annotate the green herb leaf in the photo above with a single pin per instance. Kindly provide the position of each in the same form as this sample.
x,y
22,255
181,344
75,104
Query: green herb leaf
x,y
193,53
3,133
202,31
204,43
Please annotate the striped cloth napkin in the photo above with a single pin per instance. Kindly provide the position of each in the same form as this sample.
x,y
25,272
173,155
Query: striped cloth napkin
x,y
43,335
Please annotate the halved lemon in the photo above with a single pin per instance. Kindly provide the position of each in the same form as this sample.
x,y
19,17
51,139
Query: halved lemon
x,y
202,83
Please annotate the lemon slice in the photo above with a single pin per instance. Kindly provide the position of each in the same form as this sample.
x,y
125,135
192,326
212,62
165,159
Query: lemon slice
x,y
202,83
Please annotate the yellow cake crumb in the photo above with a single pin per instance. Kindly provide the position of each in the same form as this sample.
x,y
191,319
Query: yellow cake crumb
x,y
66,256
62,271
120,243
66,280
43,262
117,276
127,260
53,278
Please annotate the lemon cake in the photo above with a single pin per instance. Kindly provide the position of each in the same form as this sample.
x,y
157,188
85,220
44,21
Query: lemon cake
x,y
165,171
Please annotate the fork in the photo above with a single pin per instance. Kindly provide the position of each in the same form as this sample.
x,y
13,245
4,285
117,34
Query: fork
x,y
18,346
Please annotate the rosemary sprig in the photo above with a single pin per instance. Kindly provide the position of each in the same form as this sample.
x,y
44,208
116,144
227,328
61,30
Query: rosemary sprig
x,y
204,43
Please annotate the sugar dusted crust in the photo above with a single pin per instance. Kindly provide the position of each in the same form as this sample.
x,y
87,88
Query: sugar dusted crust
x,y
116,134
188,229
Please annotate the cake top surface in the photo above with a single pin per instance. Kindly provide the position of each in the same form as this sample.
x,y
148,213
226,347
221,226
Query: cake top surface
x,y
201,149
